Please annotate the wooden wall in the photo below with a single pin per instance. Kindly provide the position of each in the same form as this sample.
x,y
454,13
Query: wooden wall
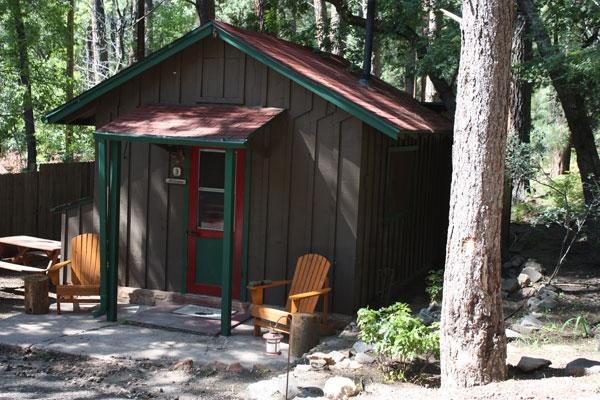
x,y
318,184
305,173
394,251
26,199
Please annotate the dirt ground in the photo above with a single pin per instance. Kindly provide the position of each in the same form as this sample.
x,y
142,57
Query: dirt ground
x,y
26,374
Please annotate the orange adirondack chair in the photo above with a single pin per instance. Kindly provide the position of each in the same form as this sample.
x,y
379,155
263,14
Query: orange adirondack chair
x,y
309,282
85,271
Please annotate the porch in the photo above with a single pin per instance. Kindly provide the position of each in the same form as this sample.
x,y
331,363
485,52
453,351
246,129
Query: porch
x,y
216,213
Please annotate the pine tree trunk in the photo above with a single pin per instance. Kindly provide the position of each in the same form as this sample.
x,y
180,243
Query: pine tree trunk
x,y
259,12
562,160
473,343
25,81
99,45
336,33
432,27
70,74
321,24
205,10
149,27
572,101
140,31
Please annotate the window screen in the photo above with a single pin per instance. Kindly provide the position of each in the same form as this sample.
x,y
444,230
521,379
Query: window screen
x,y
211,190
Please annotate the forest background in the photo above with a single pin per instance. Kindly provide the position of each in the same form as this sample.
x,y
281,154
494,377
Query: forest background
x,y
52,50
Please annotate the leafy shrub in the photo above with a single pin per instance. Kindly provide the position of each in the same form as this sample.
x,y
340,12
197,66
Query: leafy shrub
x,y
435,281
396,333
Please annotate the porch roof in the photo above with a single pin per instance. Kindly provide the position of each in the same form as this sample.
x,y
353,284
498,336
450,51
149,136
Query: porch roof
x,y
207,124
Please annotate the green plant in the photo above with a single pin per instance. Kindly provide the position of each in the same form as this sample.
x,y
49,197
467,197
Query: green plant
x,y
397,335
435,281
579,326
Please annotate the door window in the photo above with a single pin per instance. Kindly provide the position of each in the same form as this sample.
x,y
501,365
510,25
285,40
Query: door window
x,y
211,189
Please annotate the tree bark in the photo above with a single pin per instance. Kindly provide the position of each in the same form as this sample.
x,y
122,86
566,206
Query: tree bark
x,y
432,28
25,82
473,343
149,27
572,101
205,10
259,12
336,36
70,73
140,30
99,44
562,160
321,24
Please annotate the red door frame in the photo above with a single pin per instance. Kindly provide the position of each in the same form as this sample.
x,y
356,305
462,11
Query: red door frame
x,y
194,232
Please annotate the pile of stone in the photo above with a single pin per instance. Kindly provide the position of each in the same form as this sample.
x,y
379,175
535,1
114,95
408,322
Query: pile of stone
x,y
578,367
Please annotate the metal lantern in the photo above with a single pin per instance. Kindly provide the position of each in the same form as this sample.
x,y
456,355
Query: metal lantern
x,y
273,339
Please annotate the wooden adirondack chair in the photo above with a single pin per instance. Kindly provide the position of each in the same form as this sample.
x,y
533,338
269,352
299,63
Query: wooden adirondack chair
x,y
309,282
85,272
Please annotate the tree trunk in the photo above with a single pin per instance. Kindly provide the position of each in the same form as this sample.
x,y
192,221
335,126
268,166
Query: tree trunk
x,y
473,343
149,27
432,28
140,31
36,294
572,101
205,10
99,45
70,72
336,36
25,81
259,12
562,160
321,24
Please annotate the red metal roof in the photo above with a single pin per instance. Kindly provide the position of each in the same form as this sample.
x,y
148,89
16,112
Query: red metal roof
x,y
379,98
212,122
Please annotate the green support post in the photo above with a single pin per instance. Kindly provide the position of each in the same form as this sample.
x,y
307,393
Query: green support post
x,y
101,164
113,238
246,228
227,243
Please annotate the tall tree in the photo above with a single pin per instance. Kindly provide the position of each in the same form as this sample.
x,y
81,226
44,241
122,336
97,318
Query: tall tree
x,y
336,36
25,81
205,10
70,72
140,30
473,343
99,42
259,12
572,100
321,25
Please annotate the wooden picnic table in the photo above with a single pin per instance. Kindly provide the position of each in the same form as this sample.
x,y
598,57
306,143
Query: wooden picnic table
x,y
26,244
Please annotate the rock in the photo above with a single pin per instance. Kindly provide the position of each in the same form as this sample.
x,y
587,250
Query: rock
x,y
531,263
338,388
270,389
523,280
582,367
346,363
529,321
262,368
429,317
510,285
318,364
434,306
361,347
235,368
517,260
364,358
536,304
547,292
523,293
182,365
218,366
330,358
533,274
510,334
309,392
529,364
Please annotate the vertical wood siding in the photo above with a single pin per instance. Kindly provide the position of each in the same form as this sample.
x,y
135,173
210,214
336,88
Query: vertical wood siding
x,y
306,184
392,252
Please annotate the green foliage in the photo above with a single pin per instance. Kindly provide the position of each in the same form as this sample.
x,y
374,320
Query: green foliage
x,y
435,281
395,333
579,326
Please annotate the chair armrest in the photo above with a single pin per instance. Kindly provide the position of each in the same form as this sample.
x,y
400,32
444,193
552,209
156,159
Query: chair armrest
x,y
58,266
269,285
305,295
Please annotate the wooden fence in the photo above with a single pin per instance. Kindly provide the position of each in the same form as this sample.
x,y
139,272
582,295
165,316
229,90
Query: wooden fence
x,y
27,199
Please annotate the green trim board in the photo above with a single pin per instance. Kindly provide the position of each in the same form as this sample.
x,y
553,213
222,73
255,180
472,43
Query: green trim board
x,y
73,204
135,137
186,213
200,33
113,232
246,228
56,115
101,163
227,266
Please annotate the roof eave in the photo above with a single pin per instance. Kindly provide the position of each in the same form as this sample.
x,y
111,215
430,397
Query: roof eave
x,y
181,141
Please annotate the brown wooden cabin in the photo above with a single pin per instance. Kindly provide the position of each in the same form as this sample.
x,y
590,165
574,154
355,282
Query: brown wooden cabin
x,y
228,154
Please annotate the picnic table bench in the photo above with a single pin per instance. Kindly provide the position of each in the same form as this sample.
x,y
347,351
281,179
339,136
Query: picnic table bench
x,y
27,246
